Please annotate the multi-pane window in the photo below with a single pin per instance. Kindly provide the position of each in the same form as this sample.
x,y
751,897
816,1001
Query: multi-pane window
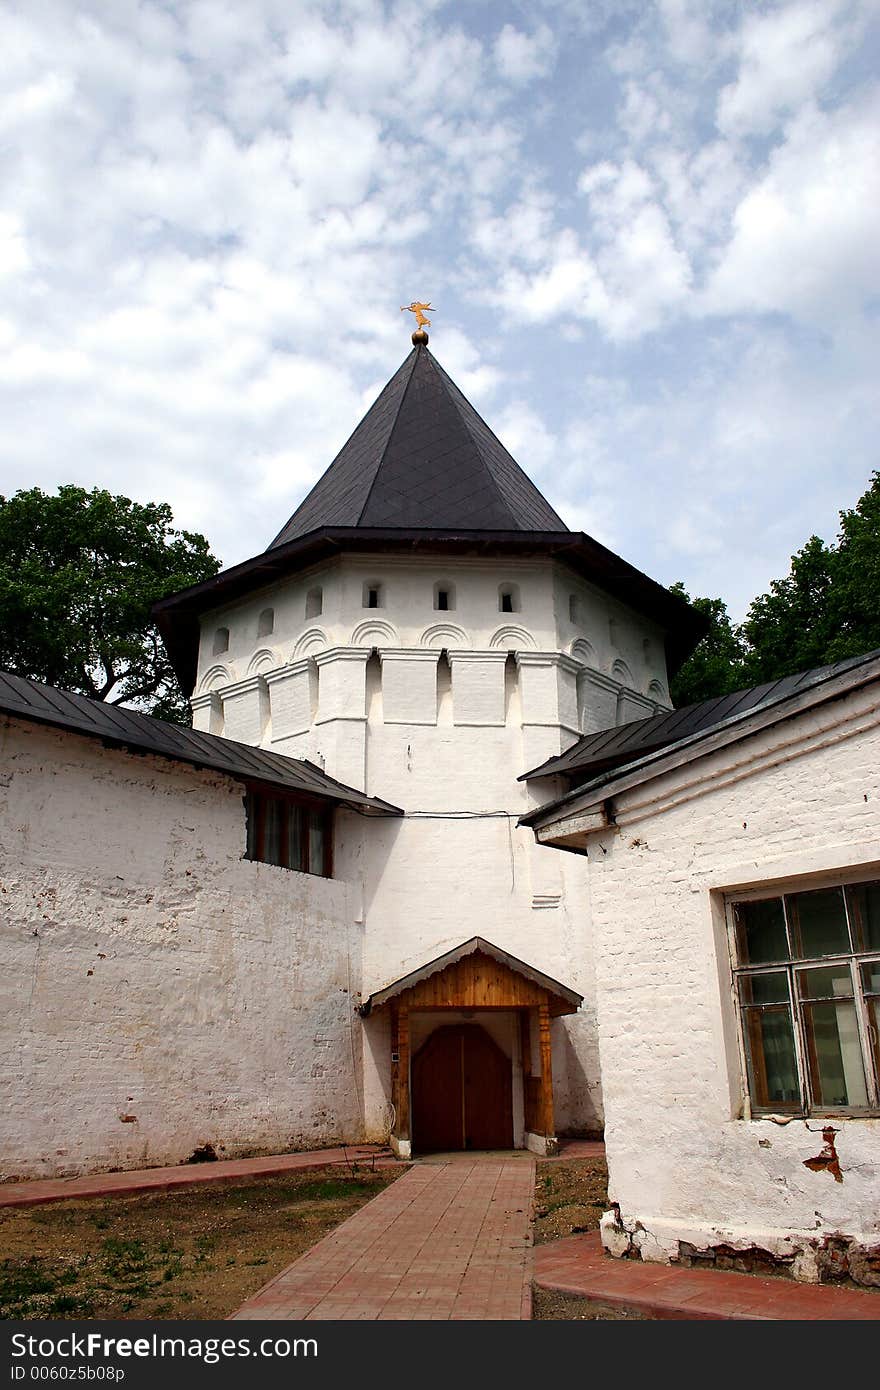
x,y
807,969
290,833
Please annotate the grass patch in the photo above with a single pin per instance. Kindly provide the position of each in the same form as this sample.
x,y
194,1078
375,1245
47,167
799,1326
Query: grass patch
x,y
195,1252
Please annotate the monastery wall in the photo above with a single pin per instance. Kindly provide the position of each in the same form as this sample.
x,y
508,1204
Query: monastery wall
x,y
157,991
791,808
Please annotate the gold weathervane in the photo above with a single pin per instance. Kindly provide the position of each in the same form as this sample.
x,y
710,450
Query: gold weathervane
x,y
419,311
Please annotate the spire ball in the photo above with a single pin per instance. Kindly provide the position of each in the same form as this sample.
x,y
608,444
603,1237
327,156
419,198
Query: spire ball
x,y
420,338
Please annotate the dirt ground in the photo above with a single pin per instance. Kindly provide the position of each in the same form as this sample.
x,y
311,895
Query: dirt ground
x,y
193,1253
570,1197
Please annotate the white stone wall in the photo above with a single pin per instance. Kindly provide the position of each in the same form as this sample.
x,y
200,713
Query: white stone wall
x,y
459,703
267,688
157,991
793,806
456,866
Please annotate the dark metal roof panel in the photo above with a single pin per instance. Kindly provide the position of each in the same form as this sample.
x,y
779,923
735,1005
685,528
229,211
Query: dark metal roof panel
x,y
127,728
781,699
610,748
340,494
422,458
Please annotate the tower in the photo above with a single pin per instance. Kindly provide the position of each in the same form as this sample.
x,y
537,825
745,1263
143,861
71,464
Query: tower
x,y
426,628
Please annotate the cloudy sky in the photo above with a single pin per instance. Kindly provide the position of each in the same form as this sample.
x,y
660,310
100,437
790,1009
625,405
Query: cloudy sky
x,y
650,231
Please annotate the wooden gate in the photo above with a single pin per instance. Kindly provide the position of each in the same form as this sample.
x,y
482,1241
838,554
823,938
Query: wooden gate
x,y
462,1092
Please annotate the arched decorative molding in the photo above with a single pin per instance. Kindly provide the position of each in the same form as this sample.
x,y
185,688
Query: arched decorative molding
x,y
314,639
444,635
374,632
215,678
512,638
584,651
621,672
266,659
657,691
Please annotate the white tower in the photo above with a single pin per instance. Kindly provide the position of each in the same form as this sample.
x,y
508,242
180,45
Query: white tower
x,y
426,628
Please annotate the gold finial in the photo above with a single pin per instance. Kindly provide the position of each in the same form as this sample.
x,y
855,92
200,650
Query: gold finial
x,y
420,336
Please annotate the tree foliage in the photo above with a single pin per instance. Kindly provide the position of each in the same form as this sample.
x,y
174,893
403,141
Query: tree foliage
x,y
827,608
716,666
79,573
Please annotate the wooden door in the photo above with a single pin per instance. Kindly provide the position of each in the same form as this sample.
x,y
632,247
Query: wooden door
x,y
462,1092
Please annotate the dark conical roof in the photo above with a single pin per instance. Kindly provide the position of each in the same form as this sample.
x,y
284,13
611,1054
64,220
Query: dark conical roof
x,y
422,459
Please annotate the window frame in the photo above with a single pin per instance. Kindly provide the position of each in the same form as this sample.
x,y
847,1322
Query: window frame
x,y
373,586
256,800
798,1002
447,590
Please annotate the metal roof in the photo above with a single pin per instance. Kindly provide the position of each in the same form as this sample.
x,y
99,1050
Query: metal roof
x,y
476,944
423,473
784,699
126,728
610,748
422,457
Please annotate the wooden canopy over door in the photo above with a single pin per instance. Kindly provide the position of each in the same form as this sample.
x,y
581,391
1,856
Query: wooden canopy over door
x,y
477,976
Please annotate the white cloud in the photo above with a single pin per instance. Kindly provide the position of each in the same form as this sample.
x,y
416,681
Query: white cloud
x,y
805,234
523,57
213,212
689,30
786,56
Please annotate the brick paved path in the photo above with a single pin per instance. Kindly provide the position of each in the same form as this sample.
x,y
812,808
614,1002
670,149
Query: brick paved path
x,y
576,1265
448,1240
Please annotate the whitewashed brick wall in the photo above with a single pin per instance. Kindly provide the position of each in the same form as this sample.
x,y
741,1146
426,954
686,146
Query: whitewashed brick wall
x,y
799,800
157,991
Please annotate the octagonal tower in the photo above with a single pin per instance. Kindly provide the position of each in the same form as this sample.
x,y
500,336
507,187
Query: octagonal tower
x,y
427,629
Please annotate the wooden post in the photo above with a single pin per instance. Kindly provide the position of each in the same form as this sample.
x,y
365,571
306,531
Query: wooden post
x,y
546,1114
395,1069
529,1082
403,1072
525,1042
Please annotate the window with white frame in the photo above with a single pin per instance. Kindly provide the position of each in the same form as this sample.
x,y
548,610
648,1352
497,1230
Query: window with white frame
x,y
807,974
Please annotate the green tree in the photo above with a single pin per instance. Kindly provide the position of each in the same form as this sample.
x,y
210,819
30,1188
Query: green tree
x,y
855,597
792,628
716,665
827,608
79,573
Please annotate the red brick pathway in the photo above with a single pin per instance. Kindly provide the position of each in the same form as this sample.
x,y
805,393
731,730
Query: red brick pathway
x,y
446,1241
29,1194
576,1265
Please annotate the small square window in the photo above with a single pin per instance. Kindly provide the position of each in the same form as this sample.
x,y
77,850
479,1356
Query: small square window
x,y
289,833
373,596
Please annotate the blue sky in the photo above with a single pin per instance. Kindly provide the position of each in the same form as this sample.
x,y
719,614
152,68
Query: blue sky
x,y
650,232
